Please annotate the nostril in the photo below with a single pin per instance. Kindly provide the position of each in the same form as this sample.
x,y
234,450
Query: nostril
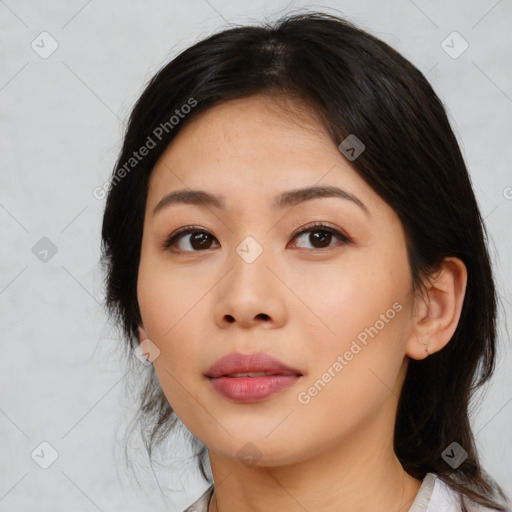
x,y
262,316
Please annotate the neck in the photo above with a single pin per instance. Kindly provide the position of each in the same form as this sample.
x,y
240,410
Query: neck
x,y
354,476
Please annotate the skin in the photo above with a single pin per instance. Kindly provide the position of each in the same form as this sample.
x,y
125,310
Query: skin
x,y
334,453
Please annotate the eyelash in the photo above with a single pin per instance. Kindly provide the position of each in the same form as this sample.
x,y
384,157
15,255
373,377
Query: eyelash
x,y
318,226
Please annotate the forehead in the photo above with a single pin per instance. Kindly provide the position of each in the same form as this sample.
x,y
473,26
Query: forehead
x,y
257,143
257,127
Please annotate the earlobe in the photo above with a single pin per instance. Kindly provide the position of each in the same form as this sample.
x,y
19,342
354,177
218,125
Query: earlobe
x,y
141,334
437,311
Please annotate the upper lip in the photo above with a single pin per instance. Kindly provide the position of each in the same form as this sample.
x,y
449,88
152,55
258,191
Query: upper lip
x,y
245,363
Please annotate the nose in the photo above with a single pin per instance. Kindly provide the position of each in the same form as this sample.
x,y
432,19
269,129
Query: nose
x,y
250,295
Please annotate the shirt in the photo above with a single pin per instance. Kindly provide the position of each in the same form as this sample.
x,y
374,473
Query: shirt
x,y
433,496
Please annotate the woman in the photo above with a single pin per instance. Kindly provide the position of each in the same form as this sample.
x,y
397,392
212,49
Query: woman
x,y
291,238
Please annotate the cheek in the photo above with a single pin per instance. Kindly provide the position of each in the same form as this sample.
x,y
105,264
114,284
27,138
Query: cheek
x,y
361,309
166,297
349,297
355,368
170,307
176,311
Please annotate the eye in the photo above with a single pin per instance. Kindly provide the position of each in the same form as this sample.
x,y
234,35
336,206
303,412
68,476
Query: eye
x,y
190,236
195,239
320,236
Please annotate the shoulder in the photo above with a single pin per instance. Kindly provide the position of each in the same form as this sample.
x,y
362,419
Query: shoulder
x,y
439,496
201,504
446,499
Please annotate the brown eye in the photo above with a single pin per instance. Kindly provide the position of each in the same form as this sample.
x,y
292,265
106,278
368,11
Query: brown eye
x,y
190,240
200,241
320,236
194,239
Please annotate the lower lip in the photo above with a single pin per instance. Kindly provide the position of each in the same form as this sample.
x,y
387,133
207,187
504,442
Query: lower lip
x,y
252,389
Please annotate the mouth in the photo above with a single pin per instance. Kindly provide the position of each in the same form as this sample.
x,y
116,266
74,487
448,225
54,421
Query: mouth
x,y
251,378
249,365
258,374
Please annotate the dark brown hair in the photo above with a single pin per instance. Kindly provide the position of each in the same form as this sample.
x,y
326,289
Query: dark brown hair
x,y
359,85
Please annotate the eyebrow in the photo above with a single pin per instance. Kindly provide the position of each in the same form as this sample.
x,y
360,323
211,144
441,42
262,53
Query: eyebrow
x,y
288,198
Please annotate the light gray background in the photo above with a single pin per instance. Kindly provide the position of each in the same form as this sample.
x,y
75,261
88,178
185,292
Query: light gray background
x,y
62,121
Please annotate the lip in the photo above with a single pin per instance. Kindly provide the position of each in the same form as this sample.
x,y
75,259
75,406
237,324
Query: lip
x,y
251,389
237,362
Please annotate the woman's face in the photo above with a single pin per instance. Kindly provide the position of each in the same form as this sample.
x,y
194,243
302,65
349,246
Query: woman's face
x,y
334,302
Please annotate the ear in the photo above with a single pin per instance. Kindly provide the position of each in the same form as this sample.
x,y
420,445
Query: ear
x,y
142,334
437,311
